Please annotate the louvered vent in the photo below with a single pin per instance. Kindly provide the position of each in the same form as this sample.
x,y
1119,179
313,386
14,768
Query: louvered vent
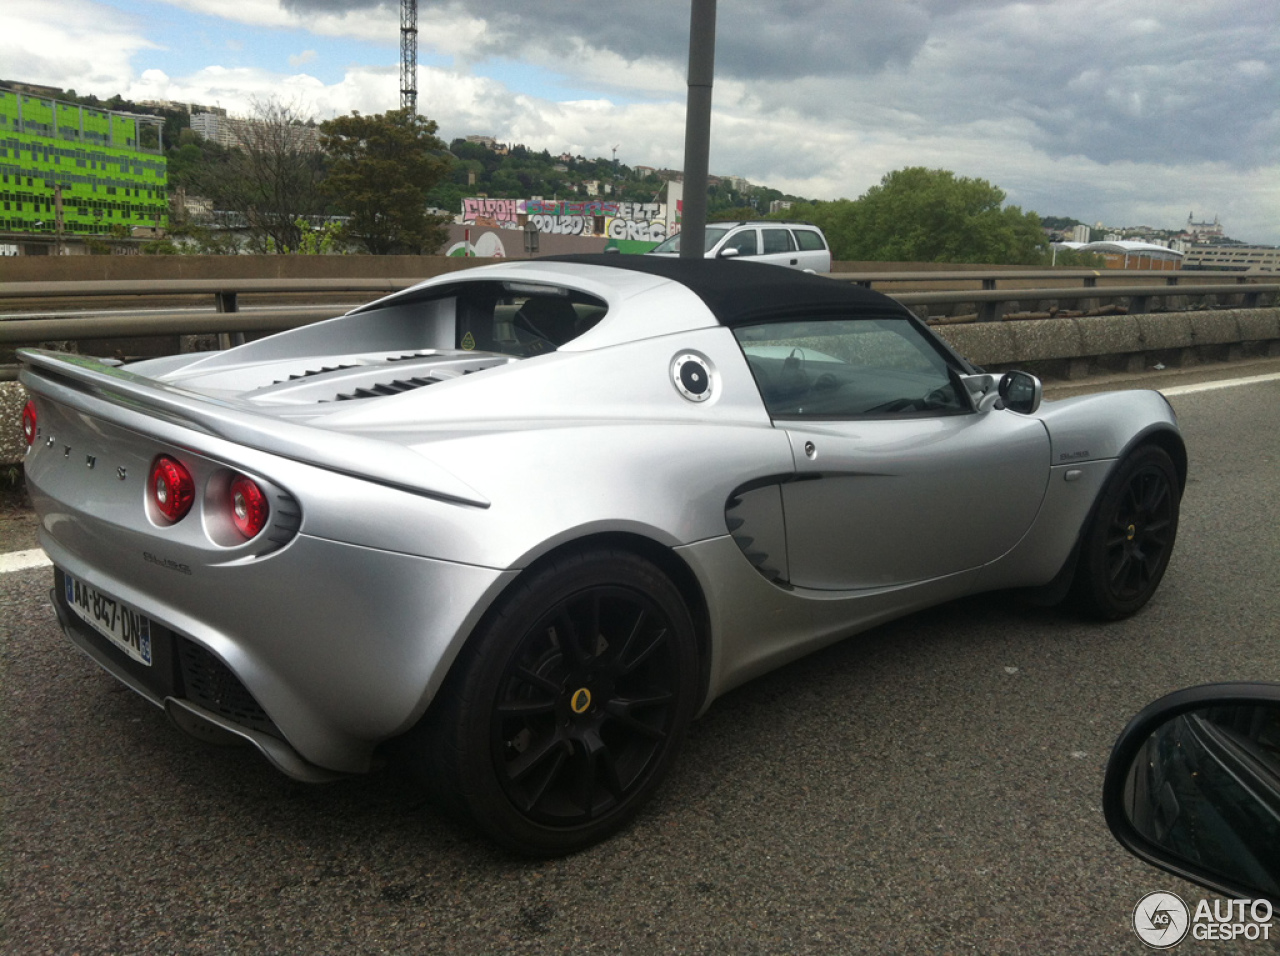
x,y
314,371
286,519
386,388
737,530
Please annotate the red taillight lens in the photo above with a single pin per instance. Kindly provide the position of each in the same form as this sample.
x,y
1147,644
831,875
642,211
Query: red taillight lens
x,y
29,423
249,508
172,488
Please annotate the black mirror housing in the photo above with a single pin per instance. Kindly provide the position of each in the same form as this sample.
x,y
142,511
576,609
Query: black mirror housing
x,y
1193,787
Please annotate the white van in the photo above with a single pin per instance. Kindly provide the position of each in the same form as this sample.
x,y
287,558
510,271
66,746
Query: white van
x,y
796,245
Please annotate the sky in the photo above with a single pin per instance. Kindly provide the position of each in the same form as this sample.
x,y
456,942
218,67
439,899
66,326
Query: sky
x,y
1116,111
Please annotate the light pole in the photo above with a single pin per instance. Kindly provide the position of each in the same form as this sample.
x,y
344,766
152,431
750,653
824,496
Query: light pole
x,y
697,127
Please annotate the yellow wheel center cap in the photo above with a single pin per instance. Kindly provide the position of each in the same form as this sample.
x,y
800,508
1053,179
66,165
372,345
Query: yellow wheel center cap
x,y
1132,531
580,702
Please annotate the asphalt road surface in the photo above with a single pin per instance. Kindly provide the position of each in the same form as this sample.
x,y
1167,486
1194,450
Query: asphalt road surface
x,y
932,786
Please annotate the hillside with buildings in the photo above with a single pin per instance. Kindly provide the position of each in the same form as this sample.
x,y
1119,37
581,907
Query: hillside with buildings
x,y
81,174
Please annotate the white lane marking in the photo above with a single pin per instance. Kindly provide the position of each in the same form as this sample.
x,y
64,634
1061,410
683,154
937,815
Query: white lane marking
x,y
22,560
1225,383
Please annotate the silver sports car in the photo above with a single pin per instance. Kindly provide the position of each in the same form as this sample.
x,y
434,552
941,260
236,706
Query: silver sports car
x,y
516,526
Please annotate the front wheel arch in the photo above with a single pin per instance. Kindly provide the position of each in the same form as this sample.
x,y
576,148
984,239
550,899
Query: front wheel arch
x,y
1115,575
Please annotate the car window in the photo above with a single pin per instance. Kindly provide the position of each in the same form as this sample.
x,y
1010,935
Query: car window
x,y
778,240
491,318
810,241
836,368
744,241
713,235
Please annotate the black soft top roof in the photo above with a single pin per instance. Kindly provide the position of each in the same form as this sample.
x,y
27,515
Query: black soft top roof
x,y
739,293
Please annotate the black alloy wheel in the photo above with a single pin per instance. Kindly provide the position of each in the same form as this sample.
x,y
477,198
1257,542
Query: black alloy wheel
x,y
1130,540
569,704
585,706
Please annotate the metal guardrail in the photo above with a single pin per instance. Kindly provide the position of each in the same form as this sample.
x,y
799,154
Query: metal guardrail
x,y
224,289
1087,278
990,304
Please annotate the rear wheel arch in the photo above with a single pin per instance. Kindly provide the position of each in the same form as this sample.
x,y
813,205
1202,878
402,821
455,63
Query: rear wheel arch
x,y
660,556
548,746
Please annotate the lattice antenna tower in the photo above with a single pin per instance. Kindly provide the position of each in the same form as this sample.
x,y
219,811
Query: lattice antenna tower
x,y
409,55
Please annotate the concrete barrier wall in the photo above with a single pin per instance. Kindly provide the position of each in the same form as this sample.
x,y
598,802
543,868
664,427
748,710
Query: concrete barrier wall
x,y
1071,348
1118,342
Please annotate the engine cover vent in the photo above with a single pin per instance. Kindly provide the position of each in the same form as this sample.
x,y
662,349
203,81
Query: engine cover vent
x,y
324,370
382,389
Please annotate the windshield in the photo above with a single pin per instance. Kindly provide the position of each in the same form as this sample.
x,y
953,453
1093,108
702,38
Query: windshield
x,y
714,235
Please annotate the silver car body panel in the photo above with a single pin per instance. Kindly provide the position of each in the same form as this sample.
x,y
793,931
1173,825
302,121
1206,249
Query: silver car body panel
x,y
404,517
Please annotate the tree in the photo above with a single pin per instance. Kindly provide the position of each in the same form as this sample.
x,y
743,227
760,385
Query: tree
x,y
270,181
382,169
733,214
929,215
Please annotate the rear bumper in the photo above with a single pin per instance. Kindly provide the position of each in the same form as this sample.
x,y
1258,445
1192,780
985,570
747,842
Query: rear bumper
x,y
315,656
196,690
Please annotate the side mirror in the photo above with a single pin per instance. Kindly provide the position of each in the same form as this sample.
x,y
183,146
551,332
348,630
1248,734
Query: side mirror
x,y
1193,787
1020,391
727,253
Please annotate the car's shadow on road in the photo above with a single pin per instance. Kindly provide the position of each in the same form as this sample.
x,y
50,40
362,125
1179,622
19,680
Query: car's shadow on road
x,y
869,705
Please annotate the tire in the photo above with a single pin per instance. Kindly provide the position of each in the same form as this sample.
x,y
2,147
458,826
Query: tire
x,y
566,708
1130,536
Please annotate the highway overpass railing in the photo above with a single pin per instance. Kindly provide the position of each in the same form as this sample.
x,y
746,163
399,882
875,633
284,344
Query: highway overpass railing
x,y
36,311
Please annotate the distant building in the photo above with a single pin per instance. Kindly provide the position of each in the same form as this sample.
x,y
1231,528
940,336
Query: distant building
x,y
215,127
1130,254
1232,258
234,131
780,205
488,141
1081,233
1202,231
69,171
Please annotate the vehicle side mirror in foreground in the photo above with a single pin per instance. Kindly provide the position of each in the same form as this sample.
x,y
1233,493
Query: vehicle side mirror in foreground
x,y
1020,391
728,253
1193,787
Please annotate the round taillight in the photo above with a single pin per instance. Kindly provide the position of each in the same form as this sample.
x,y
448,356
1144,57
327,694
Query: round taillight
x,y
172,488
249,507
29,423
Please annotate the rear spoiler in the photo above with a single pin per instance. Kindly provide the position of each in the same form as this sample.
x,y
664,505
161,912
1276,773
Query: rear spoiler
x,y
140,404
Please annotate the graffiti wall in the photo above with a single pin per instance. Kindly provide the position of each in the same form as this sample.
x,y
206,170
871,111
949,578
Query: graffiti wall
x,y
496,213
599,218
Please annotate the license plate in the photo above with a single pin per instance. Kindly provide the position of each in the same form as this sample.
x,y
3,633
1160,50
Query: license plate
x,y
119,623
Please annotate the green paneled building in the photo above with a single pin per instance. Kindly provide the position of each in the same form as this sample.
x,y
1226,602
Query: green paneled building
x,y
91,157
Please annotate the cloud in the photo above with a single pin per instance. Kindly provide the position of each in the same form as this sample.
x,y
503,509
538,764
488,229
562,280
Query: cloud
x,y
75,44
1099,78
1099,109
